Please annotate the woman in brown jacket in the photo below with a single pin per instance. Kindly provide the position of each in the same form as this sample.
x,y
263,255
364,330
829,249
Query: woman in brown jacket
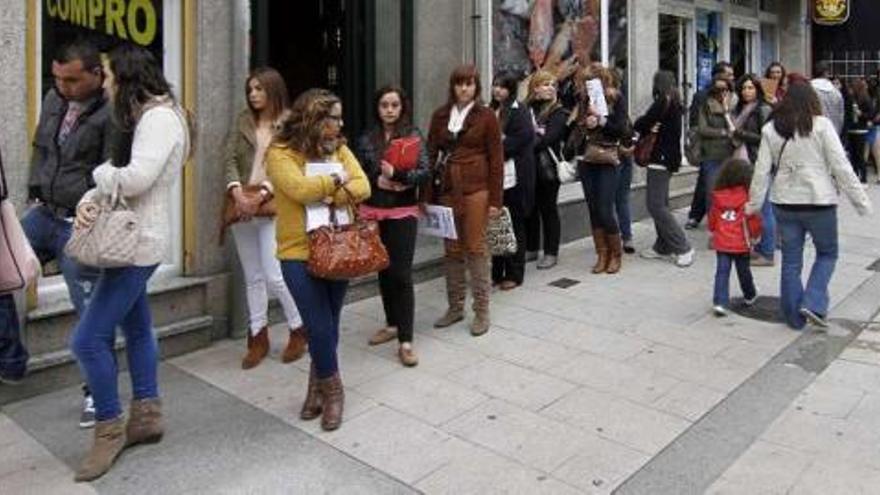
x,y
464,143
254,235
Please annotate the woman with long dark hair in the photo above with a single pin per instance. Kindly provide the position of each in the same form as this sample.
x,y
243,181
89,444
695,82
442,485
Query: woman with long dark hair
x,y
776,72
147,158
543,227
861,117
518,139
664,119
801,156
267,102
394,205
313,133
465,143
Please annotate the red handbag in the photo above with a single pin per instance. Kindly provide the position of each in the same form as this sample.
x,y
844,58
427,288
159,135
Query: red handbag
x,y
645,148
403,153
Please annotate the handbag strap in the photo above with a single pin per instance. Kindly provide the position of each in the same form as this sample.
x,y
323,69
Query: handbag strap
x,y
4,190
774,168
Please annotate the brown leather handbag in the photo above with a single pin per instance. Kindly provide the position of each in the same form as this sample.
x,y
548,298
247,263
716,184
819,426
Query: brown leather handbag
x,y
601,154
645,148
230,212
343,252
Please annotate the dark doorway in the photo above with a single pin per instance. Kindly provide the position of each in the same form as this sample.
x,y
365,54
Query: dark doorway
x,y
320,43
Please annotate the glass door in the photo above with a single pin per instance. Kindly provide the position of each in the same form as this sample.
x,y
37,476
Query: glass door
x,y
742,50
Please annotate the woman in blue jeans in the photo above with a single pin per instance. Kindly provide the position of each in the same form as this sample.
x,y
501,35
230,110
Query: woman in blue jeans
x,y
313,133
147,156
801,155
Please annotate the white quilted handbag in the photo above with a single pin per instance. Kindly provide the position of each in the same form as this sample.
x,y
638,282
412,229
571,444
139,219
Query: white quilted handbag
x,y
500,236
112,239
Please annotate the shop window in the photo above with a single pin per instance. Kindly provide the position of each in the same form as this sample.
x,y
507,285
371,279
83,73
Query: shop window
x,y
742,43
769,48
528,35
708,27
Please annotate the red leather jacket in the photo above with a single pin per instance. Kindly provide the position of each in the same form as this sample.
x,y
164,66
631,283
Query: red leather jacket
x,y
732,230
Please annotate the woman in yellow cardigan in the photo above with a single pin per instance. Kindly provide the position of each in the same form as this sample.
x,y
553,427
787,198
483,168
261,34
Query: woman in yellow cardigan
x,y
313,133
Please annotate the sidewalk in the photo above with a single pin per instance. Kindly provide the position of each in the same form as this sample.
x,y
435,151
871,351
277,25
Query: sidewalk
x,y
573,390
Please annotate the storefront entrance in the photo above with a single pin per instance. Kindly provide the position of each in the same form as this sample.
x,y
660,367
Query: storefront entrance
x,y
320,43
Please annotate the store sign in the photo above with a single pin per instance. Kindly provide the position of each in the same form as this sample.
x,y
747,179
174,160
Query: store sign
x,y
106,23
830,12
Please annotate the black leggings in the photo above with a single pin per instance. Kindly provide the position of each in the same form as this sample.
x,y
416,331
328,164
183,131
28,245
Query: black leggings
x,y
600,191
544,218
395,282
857,154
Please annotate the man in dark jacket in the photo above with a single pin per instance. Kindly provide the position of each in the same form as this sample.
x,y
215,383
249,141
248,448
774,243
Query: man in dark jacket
x,y
72,138
698,203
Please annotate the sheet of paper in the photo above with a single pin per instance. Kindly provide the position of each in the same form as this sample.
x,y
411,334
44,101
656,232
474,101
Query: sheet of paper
x,y
597,97
318,214
438,221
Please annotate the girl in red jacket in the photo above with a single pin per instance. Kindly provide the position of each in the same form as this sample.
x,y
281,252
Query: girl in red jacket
x,y
733,232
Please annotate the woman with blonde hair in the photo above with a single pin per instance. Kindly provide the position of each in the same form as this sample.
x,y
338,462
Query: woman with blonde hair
x,y
464,141
313,133
250,189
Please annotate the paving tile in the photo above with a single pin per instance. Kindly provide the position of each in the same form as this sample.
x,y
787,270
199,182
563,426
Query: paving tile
x,y
435,356
862,352
748,354
419,394
515,384
829,477
828,400
765,468
757,332
712,372
602,466
695,339
599,341
631,424
395,443
476,471
519,434
851,374
621,379
688,400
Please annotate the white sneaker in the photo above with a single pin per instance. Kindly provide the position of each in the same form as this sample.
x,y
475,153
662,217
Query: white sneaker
x,y
750,302
719,311
686,259
87,418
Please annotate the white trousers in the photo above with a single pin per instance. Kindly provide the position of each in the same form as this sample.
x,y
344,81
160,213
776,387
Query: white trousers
x,y
255,242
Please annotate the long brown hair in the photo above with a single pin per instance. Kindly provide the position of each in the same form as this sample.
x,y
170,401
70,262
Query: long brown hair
x,y
463,74
303,130
277,99
795,112
404,122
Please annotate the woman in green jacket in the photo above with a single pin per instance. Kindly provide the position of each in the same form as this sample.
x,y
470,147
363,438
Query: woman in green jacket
x,y
716,130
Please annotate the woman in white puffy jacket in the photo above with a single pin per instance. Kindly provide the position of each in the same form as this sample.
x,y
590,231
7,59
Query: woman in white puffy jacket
x,y
147,157
801,155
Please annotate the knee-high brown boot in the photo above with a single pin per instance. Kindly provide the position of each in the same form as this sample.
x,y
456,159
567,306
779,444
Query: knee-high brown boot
x,y
478,266
601,242
615,253
333,396
311,407
456,287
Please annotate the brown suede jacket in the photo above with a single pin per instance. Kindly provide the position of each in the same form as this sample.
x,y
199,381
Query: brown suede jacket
x,y
477,159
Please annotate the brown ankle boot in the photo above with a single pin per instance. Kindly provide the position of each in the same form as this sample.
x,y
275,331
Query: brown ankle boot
x,y
144,422
109,442
334,400
478,266
311,407
456,287
296,346
258,348
615,253
601,242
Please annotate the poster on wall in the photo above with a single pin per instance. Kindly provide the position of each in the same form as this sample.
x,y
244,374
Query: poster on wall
x,y
106,23
830,12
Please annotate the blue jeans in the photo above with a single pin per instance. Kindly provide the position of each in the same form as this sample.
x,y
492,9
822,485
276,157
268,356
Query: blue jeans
x,y
821,224
320,303
767,245
48,234
599,183
13,355
119,299
710,172
621,200
721,297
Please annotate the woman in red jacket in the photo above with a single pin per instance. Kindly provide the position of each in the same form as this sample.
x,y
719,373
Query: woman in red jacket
x,y
733,232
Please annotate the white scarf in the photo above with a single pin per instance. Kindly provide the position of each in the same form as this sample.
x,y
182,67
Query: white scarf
x,y
456,117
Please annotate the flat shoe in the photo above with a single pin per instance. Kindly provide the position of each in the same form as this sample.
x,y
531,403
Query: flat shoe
x,y
382,335
407,357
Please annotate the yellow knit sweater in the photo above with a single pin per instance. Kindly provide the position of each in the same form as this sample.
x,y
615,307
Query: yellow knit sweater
x,y
293,190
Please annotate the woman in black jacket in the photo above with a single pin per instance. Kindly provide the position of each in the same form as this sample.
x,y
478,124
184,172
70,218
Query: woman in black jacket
x,y
861,116
394,204
551,125
664,118
599,171
518,139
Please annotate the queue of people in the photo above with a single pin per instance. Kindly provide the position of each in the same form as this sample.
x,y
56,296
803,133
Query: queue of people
x,y
769,163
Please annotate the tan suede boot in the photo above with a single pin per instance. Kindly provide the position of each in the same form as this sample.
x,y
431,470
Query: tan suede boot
x,y
478,266
456,287
296,345
144,422
311,407
258,349
109,442
601,242
615,253
333,396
